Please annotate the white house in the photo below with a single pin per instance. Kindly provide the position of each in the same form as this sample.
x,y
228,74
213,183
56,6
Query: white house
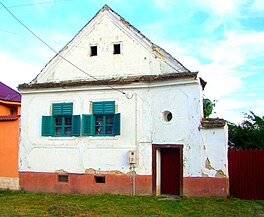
x,y
114,113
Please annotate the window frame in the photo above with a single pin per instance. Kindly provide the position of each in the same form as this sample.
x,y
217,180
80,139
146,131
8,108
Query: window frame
x,y
101,109
104,125
61,111
62,126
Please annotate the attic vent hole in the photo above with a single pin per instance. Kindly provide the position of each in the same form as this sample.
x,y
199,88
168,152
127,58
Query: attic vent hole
x,y
117,49
93,50
167,116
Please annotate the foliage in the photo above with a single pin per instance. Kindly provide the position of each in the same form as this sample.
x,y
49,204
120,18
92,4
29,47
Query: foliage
x,y
40,204
208,107
250,134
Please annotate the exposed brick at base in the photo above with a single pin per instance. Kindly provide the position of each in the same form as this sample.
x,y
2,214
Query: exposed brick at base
x,y
205,187
117,184
85,183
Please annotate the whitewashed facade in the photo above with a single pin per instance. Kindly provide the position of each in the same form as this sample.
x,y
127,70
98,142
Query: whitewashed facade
x,y
160,107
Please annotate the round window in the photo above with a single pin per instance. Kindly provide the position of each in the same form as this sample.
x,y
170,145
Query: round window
x,y
167,116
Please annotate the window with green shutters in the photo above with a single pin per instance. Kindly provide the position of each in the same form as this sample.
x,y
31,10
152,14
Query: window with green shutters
x,y
62,123
103,121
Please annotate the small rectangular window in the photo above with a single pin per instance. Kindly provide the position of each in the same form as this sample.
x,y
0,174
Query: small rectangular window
x,y
93,50
117,49
99,179
63,178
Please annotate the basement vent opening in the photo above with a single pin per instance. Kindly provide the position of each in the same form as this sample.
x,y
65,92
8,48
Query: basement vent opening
x,y
117,49
63,178
99,179
93,50
167,116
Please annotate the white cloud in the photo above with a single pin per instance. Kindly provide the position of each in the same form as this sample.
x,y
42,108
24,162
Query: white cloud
x,y
239,48
221,8
233,110
221,80
235,51
14,71
224,75
230,109
258,107
163,4
258,7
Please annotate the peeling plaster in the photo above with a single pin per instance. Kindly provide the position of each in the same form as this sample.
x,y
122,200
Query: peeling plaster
x,y
61,172
204,175
220,174
208,165
110,172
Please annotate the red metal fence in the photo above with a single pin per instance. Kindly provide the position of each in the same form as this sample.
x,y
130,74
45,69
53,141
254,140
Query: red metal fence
x,y
246,174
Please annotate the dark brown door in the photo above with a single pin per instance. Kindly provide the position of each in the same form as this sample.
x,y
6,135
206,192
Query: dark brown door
x,y
170,171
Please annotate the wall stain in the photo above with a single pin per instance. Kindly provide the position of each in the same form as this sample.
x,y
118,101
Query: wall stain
x,y
208,165
61,172
110,172
220,174
204,175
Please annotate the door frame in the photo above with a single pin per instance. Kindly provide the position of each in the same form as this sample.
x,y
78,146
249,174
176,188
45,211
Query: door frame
x,y
156,167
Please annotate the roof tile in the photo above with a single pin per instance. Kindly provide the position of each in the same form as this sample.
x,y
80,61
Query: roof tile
x,y
8,94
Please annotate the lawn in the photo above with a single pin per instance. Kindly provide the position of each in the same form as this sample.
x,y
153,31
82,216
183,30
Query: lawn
x,y
40,204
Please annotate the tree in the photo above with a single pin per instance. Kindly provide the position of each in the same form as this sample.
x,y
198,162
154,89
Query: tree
x,y
250,134
208,107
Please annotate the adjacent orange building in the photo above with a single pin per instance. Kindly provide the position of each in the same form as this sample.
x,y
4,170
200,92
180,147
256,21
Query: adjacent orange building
x,y
10,103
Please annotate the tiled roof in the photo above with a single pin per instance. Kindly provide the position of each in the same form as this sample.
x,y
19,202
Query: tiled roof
x,y
9,117
213,123
8,94
113,81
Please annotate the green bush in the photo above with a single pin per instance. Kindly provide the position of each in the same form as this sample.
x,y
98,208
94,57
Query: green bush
x,y
249,134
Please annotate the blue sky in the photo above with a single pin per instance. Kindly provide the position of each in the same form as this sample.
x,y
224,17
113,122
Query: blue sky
x,y
223,40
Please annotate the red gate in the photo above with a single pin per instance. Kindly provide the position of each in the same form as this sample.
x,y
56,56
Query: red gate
x,y
246,174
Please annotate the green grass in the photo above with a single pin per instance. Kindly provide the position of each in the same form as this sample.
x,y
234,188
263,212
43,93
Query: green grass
x,y
40,204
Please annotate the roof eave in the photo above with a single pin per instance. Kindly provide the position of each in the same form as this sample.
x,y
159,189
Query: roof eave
x,y
113,81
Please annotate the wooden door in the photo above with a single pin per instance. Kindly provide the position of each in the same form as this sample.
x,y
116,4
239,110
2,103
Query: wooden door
x,y
170,171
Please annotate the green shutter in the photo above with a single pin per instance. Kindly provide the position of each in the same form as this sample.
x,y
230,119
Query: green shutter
x,y
109,107
57,109
47,127
67,108
87,125
98,107
62,108
117,124
76,119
